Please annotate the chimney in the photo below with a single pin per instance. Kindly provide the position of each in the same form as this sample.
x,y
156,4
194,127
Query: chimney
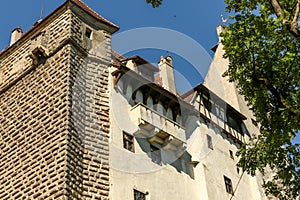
x,y
16,34
220,29
167,73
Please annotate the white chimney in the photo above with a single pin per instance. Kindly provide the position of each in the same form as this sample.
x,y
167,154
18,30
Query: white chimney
x,y
16,34
220,29
167,73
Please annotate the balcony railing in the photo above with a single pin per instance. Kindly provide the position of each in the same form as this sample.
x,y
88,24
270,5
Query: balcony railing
x,y
157,128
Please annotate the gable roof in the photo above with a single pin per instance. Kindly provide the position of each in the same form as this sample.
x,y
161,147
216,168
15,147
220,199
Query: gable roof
x,y
188,97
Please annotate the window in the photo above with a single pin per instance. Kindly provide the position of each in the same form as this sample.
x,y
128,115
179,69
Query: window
x,y
139,96
206,102
209,142
155,154
178,118
38,57
128,142
234,123
139,195
88,33
231,154
228,185
169,114
150,102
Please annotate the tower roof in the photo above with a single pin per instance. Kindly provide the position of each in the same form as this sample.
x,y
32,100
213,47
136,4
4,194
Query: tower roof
x,y
91,12
67,4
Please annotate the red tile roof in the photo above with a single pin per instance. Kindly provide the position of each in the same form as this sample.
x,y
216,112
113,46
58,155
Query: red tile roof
x,y
141,61
91,12
157,79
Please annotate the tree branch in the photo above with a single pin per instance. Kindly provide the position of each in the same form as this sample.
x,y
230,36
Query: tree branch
x,y
278,95
278,10
293,26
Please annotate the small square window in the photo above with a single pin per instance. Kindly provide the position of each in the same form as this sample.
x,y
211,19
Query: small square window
x,y
155,154
128,142
209,142
231,154
139,195
228,185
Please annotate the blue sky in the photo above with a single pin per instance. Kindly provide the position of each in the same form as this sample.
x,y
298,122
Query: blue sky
x,y
195,19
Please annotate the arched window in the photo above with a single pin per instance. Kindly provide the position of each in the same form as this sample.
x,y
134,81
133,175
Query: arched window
x,y
150,102
178,119
160,108
128,92
169,113
139,96
120,86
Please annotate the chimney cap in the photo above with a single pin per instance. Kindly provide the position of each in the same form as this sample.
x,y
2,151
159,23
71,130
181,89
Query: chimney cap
x,y
168,59
19,29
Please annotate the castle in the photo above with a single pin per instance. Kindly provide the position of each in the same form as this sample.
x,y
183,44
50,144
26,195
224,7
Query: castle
x,y
80,121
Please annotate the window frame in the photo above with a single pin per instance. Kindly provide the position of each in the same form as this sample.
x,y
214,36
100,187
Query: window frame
x,y
128,139
209,142
231,154
228,185
88,33
137,192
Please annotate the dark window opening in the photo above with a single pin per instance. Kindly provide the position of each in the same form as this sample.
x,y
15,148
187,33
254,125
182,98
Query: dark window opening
x,y
231,154
88,33
236,124
206,102
228,185
238,170
155,154
38,57
209,142
128,142
139,195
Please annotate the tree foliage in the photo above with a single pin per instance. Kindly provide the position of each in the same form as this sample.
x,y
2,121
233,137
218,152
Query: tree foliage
x,y
262,45
154,3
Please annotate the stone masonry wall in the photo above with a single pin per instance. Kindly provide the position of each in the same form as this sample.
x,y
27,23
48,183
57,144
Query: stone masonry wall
x,y
33,118
54,114
89,118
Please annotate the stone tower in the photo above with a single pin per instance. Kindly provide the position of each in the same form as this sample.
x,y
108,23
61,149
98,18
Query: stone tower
x,y
54,108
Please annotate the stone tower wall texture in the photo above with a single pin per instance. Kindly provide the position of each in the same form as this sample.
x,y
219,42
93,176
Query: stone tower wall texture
x,y
54,121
